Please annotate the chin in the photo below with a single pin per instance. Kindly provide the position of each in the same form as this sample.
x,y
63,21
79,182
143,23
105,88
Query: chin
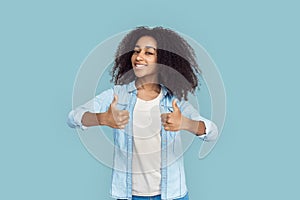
x,y
138,75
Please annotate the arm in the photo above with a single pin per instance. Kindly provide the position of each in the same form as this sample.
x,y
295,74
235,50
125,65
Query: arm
x,y
189,119
93,119
113,118
99,111
196,127
175,121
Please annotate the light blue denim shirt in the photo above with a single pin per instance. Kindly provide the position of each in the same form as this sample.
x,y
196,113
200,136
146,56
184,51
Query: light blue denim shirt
x,y
172,169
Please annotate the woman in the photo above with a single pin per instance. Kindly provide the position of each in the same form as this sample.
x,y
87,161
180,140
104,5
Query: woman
x,y
153,72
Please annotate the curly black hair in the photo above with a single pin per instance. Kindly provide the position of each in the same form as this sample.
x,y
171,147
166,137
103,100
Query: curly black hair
x,y
176,59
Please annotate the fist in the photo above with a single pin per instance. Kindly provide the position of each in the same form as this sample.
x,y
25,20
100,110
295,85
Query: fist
x,y
172,121
117,118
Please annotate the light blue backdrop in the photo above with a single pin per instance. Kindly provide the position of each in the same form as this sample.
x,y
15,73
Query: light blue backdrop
x,y
255,45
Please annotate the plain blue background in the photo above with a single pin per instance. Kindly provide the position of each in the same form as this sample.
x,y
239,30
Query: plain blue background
x,y
255,45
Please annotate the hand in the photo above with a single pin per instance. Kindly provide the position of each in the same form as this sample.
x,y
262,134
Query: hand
x,y
116,118
172,121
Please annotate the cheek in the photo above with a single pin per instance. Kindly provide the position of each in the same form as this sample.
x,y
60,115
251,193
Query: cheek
x,y
153,60
132,59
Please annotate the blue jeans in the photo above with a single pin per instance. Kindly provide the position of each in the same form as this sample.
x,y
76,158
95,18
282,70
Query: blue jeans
x,y
157,197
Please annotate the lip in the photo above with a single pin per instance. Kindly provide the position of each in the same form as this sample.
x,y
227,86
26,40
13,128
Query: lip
x,y
139,66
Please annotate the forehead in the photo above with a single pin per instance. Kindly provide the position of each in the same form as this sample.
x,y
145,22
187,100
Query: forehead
x,y
146,41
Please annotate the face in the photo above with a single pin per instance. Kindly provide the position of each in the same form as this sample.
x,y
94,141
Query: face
x,y
144,57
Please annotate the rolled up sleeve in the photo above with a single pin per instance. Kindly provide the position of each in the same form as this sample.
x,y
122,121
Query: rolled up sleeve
x,y
211,130
99,104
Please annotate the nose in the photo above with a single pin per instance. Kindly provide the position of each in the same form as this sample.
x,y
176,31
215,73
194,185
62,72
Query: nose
x,y
139,56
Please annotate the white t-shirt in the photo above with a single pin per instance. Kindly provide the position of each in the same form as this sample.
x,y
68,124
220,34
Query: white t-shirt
x,y
146,163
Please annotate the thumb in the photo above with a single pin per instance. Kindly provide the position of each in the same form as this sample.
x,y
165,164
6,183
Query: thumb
x,y
115,100
174,105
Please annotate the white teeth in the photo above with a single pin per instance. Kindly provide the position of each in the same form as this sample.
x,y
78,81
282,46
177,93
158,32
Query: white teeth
x,y
139,66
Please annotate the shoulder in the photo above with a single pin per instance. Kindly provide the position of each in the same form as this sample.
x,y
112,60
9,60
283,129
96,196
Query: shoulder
x,y
115,90
124,92
125,87
105,96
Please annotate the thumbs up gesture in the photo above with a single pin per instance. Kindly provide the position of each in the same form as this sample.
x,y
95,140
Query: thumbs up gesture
x,y
172,121
116,118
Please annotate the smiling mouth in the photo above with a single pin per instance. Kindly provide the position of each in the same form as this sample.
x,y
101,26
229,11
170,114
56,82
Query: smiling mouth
x,y
139,66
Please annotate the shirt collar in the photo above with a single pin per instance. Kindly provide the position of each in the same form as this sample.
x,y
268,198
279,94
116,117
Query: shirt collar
x,y
132,88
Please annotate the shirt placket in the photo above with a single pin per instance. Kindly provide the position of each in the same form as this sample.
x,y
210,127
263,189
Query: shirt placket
x,y
129,133
163,153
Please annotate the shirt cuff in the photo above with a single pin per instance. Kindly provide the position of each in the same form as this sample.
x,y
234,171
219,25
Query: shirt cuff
x,y
211,131
75,119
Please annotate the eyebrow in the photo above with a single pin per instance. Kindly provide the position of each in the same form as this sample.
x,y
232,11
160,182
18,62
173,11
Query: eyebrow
x,y
148,47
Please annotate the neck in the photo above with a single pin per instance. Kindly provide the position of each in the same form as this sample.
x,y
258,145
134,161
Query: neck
x,y
147,86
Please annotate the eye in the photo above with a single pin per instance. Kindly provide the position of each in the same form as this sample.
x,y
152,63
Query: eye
x,y
135,51
149,53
